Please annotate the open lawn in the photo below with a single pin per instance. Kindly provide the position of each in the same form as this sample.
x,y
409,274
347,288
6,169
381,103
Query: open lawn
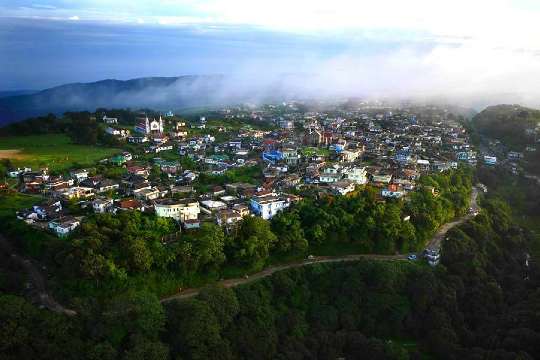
x,y
55,151
309,151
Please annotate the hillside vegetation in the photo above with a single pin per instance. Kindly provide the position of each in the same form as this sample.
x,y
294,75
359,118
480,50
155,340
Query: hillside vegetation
x,y
508,123
482,303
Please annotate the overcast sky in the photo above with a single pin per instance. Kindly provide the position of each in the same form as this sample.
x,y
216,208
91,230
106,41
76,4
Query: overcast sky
x,y
455,48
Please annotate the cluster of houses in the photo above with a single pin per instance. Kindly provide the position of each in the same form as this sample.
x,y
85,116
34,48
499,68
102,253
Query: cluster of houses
x,y
332,152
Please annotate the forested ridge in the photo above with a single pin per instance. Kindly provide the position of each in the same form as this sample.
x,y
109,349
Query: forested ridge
x,y
482,302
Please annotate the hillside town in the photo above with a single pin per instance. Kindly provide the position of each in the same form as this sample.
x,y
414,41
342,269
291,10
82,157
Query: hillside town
x,y
206,170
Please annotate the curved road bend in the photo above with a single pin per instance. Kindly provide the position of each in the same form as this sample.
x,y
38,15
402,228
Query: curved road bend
x,y
36,278
434,243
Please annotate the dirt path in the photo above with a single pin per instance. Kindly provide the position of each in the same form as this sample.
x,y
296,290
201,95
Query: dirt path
x,y
434,243
269,271
36,278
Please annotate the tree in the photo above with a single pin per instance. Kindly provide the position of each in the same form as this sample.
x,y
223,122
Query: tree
x,y
193,331
208,244
143,349
140,257
251,242
223,303
288,230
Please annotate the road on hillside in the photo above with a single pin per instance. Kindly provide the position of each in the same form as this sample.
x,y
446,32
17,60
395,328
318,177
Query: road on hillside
x,y
435,243
437,239
45,298
36,279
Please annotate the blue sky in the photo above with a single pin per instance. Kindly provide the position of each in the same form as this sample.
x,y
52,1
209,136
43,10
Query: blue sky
x,y
403,47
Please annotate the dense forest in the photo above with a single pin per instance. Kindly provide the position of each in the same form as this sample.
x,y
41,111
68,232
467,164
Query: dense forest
x,y
482,302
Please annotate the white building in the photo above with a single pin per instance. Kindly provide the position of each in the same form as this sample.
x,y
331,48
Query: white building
x,y
330,174
79,175
62,227
117,132
391,194
342,187
357,175
102,205
109,120
181,210
268,205
350,155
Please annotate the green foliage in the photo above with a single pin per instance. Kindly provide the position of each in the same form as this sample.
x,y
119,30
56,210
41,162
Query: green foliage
x,y
352,310
110,246
507,123
251,242
365,223
290,235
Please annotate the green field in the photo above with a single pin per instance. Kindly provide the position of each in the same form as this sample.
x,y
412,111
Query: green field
x,y
55,151
309,151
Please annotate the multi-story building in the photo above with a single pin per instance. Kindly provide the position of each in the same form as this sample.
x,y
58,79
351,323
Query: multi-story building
x,y
181,210
268,205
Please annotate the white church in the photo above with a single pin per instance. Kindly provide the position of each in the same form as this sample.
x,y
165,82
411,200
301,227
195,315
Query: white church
x,y
147,127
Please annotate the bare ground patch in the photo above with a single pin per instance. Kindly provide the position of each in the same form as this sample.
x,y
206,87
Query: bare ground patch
x,y
12,154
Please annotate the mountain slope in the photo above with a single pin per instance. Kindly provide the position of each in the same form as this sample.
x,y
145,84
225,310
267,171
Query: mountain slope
x,y
508,123
155,92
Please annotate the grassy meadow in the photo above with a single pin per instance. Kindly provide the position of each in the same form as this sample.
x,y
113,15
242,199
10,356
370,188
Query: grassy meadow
x,y
55,151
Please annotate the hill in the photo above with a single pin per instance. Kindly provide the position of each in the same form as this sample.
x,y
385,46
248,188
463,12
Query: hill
x,y
509,124
153,92
16,93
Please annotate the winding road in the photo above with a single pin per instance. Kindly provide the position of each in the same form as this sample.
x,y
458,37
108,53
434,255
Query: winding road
x,y
435,244
45,298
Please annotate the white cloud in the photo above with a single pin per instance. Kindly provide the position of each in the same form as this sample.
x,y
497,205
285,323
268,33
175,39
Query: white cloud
x,y
74,18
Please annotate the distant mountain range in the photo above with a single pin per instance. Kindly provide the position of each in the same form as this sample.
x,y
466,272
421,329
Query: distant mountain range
x,y
17,93
160,93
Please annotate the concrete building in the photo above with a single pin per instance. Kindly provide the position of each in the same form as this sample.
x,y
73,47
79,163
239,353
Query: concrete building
x,y
181,210
268,205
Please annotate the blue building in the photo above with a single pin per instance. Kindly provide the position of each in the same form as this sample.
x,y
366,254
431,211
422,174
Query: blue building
x,y
272,156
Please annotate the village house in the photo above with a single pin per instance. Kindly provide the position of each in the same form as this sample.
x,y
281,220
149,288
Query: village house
x,y
129,204
109,120
78,192
267,206
227,217
64,226
212,206
342,187
146,193
102,205
355,174
79,175
330,174
181,210
350,155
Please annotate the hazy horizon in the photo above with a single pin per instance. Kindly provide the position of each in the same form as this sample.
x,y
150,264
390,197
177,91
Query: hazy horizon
x,y
473,54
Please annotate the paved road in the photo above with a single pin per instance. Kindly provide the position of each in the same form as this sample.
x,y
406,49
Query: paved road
x,y
437,239
37,280
434,243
